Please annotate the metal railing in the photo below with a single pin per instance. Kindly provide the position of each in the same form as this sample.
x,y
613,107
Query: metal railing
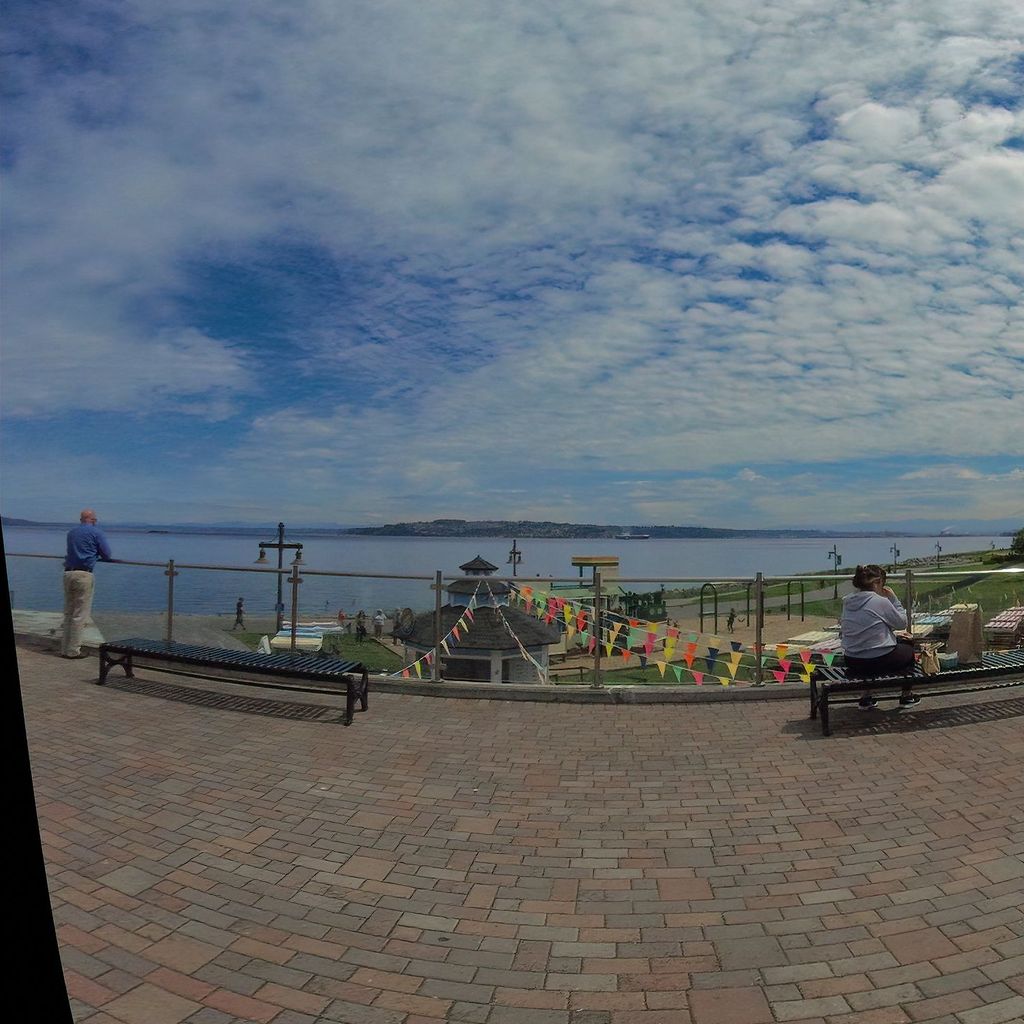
x,y
753,589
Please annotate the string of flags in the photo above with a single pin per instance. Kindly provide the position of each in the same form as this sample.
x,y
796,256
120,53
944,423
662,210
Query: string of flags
x,y
451,639
723,659
542,675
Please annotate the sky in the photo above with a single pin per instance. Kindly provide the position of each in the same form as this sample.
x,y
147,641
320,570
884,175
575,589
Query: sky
x,y
712,262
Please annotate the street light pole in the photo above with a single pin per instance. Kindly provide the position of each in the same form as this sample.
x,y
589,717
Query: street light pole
x,y
834,554
938,551
280,547
895,556
515,556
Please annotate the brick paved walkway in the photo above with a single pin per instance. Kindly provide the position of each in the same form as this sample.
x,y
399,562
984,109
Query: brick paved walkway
x,y
545,864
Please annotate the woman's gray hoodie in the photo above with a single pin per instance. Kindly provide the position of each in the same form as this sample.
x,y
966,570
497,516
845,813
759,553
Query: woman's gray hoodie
x,y
867,623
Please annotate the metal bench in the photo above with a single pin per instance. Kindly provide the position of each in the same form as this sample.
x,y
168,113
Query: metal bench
x,y
352,674
827,681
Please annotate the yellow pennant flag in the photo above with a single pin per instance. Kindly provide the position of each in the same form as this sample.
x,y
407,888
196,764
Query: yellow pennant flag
x,y
724,680
661,668
780,650
670,646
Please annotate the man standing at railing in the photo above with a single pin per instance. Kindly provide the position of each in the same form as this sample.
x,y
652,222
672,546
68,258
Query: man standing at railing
x,y
86,545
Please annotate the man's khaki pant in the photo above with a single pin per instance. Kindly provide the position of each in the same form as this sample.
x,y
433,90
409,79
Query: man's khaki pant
x,y
78,588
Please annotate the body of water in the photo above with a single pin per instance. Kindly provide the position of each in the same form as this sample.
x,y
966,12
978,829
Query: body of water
x,y
36,583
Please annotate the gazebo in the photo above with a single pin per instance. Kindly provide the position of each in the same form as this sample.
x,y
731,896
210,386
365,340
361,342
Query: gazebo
x,y
488,650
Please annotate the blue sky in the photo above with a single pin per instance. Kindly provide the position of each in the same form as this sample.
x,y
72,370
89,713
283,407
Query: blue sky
x,y
663,262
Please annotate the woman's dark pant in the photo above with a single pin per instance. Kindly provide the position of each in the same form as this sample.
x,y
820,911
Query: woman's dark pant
x,y
899,660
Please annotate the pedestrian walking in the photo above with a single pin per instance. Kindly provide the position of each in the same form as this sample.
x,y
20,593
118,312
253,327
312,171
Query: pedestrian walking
x,y
378,623
239,614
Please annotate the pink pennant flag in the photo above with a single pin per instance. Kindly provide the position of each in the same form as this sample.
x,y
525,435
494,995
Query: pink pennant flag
x,y
455,633
784,665
698,678
649,643
779,676
805,656
405,673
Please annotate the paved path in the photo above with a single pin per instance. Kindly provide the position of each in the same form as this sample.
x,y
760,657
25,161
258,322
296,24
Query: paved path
x,y
509,863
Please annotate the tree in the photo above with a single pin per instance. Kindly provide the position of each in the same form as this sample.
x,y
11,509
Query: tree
x,y
1017,547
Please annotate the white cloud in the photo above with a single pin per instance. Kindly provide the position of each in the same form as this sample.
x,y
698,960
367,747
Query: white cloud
x,y
632,238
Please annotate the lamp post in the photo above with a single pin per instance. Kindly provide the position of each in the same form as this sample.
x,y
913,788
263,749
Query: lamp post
x,y
515,556
280,546
834,554
895,556
938,551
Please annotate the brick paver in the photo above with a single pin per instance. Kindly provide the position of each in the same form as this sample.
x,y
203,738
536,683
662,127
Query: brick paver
x,y
522,863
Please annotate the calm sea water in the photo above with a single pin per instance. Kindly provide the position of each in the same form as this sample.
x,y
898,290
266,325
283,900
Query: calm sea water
x,y
36,583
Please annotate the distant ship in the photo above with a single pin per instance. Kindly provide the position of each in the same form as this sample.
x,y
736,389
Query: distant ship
x,y
632,536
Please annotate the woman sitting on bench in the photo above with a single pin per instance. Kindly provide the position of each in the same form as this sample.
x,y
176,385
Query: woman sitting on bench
x,y
867,627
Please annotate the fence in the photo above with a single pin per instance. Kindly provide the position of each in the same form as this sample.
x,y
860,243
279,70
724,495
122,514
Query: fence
x,y
600,645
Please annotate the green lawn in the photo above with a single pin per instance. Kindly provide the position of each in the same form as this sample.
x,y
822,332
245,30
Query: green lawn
x,y
373,655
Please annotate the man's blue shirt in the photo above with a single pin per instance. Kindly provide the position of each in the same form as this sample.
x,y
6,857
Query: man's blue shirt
x,y
86,544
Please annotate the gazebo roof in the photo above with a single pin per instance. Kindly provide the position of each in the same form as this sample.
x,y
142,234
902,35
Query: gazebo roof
x,y
478,565
486,632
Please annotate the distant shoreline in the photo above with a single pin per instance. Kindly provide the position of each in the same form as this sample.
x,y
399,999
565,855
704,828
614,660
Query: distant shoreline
x,y
508,530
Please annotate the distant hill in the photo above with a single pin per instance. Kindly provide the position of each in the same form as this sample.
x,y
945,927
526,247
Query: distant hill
x,y
531,528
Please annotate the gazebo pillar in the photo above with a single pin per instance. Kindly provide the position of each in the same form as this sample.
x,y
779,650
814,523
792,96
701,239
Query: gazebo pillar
x,y
496,666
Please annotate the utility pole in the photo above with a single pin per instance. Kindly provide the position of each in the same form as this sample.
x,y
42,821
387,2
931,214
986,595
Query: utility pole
x,y
938,552
895,556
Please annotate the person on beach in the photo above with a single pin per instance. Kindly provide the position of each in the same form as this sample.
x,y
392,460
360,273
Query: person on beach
x,y
378,623
731,621
86,545
868,627
239,613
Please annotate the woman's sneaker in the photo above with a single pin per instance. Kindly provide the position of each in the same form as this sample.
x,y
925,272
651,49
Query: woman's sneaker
x,y
867,704
910,701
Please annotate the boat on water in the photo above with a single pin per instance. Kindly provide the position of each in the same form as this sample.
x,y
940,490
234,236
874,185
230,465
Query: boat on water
x,y
632,536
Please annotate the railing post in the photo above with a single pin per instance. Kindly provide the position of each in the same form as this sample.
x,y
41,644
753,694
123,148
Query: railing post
x,y
759,629
170,573
909,587
435,665
596,631
295,579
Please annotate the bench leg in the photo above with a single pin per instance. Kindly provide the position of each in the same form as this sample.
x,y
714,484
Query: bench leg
x,y
823,707
364,691
350,700
814,697
108,661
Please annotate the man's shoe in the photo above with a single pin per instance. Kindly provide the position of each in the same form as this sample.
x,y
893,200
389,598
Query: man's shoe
x,y
909,702
74,657
867,703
